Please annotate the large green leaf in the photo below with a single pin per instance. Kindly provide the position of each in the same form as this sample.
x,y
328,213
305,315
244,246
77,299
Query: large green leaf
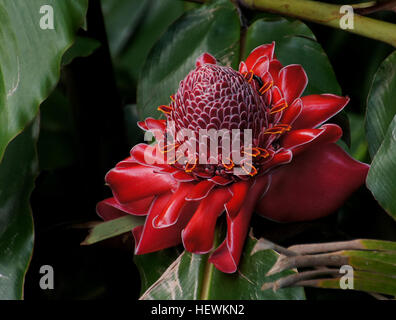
x,y
17,173
381,179
112,228
295,44
155,17
381,103
359,147
82,47
191,277
381,135
122,18
30,58
212,28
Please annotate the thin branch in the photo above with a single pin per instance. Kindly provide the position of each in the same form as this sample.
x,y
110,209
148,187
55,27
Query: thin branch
x,y
328,15
264,244
297,277
327,247
286,263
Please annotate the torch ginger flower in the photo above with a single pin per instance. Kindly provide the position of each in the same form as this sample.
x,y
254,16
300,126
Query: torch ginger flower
x,y
296,172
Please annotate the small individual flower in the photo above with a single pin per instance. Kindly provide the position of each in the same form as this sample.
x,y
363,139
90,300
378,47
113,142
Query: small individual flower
x,y
291,170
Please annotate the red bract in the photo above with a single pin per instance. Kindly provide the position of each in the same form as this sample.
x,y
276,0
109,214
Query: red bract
x,y
297,171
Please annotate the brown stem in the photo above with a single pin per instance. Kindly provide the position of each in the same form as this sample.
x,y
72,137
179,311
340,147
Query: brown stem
x,y
332,259
326,247
297,277
264,244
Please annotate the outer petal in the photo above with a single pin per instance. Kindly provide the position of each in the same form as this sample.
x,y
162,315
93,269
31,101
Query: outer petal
x,y
274,68
199,233
242,67
261,66
107,209
239,192
291,113
299,140
149,239
227,255
318,108
171,212
313,185
263,50
201,190
132,181
292,80
156,127
110,208
205,58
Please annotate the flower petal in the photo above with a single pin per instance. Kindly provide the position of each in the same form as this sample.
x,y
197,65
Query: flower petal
x,y
318,108
291,113
261,66
292,80
300,140
282,156
200,190
107,209
149,239
242,67
239,192
199,234
204,59
110,208
314,185
170,214
274,68
151,123
221,181
257,53
132,181
148,155
226,257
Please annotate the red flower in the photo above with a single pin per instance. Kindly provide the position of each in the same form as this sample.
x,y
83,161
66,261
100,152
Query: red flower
x,y
296,171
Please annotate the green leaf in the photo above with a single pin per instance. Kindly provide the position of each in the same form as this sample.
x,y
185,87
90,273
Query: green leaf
x,y
381,135
82,47
359,146
122,18
295,44
190,276
112,228
362,281
213,28
374,271
17,174
30,58
152,265
379,262
158,16
381,103
379,245
381,179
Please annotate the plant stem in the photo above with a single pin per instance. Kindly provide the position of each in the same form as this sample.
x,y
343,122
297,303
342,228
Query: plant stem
x,y
209,267
297,277
207,278
328,15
